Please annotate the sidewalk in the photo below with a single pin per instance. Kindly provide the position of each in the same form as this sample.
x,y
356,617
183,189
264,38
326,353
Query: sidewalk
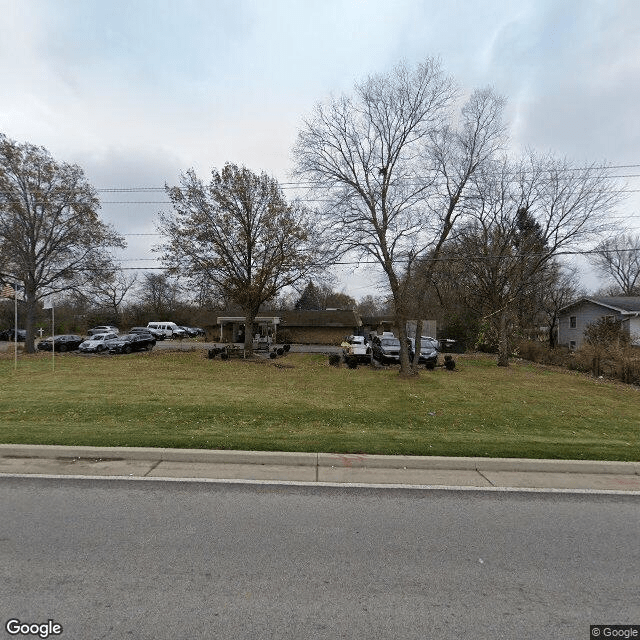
x,y
319,468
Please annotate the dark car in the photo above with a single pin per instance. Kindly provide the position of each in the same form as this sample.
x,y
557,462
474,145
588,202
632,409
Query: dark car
x,y
158,335
67,342
132,342
8,334
386,348
428,351
194,332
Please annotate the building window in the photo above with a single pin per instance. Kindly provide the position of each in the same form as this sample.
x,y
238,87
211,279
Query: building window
x,y
572,345
573,322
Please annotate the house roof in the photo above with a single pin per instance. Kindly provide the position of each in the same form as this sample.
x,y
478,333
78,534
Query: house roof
x,y
620,304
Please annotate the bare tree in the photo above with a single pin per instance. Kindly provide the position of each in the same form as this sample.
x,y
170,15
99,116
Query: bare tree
x,y
51,238
159,294
618,259
564,290
526,215
239,234
109,290
392,168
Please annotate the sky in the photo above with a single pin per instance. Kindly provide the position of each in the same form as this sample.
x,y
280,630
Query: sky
x,y
138,92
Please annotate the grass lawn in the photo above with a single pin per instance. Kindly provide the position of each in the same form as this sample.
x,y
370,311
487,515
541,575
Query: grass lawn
x,y
300,403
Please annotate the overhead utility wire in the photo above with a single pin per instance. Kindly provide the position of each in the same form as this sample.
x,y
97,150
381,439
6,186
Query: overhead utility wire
x,y
308,185
473,256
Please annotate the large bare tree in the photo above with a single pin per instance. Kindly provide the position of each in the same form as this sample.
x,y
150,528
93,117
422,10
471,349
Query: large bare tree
x,y
51,237
526,215
392,163
618,259
239,234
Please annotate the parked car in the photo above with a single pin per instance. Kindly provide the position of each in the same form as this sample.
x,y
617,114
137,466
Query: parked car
x,y
8,334
357,347
386,348
132,342
193,332
158,335
97,343
66,342
170,329
428,350
105,328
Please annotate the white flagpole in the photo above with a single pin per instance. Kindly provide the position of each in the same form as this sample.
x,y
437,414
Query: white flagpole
x,y
49,304
15,326
53,342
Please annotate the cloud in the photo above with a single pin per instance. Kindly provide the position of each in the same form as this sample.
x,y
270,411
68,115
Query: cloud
x,y
135,92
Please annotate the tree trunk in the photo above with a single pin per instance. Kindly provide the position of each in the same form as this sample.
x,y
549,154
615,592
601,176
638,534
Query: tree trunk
x,y
417,347
552,334
503,340
405,368
249,321
29,321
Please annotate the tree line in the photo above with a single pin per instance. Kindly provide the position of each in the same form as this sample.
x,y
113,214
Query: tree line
x,y
412,174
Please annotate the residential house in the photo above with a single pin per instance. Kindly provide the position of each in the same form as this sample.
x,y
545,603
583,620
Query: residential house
x,y
576,317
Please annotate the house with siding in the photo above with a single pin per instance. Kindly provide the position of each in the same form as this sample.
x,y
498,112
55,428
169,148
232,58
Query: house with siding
x,y
576,317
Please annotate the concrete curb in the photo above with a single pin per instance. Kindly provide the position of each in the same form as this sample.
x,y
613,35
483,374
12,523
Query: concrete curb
x,y
324,460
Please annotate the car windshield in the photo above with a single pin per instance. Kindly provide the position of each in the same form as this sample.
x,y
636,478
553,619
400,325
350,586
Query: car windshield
x,y
390,342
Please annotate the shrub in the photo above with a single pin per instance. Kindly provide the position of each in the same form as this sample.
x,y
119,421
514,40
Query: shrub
x,y
352,362
334,360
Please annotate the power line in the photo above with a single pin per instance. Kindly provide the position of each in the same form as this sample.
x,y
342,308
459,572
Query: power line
x,y
308,184
468,256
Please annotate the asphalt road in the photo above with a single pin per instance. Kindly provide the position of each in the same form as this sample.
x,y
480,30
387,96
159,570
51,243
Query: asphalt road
x,y
145,559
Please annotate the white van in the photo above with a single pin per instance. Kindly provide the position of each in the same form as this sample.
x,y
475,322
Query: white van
x,y
170,329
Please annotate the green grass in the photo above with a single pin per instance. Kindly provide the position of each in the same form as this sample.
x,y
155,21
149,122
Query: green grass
x,y
299,403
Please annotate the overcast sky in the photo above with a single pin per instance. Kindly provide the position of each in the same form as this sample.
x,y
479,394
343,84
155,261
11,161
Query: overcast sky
x,y
136,91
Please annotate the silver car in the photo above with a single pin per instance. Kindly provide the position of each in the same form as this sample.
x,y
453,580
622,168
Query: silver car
x,y
97,343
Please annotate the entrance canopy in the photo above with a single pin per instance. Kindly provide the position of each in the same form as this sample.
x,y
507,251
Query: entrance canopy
x,y
236,321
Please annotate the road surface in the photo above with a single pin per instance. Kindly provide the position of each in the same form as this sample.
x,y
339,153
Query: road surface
x,y
113,558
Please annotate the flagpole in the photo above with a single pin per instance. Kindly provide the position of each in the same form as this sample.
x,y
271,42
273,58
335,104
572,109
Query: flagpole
x,y
53,341
15,327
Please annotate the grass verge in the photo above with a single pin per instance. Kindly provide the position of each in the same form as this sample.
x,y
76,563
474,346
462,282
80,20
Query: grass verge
x,y
299,403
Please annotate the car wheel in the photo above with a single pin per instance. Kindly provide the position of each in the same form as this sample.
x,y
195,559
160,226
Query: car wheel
x,y
62,348
100,348
149,347
127,349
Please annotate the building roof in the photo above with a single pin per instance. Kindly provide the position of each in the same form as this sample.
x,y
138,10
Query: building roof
x,y
620,304
334,318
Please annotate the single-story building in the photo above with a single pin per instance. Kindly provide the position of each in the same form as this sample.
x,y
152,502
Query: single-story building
x,y
302,327
319,327
329,326
576,317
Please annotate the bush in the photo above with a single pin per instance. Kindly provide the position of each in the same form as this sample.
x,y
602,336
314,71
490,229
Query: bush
x,y
352,362
334,360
